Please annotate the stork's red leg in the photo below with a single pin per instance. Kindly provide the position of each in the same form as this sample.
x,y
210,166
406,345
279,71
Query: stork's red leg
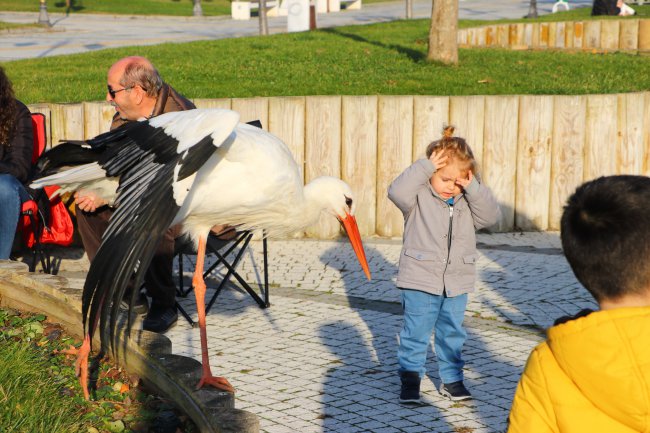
x,y
81,366
199,291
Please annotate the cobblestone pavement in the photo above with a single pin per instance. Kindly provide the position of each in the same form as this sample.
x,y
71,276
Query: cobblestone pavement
x,y
78,33
322,357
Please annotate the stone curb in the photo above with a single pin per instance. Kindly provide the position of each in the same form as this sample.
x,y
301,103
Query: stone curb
x,y
146,354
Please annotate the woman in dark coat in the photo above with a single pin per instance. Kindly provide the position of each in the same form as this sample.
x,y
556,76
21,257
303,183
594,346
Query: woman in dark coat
x,y
16,142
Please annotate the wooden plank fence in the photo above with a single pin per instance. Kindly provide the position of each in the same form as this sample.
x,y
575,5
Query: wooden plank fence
x,y
532,150
593,35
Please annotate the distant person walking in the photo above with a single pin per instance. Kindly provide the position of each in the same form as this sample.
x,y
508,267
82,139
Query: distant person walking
x,y
611,7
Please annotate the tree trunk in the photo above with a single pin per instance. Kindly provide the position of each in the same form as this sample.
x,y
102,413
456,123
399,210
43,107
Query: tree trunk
x,y
198,10
532,9
443,33
264,24
409,9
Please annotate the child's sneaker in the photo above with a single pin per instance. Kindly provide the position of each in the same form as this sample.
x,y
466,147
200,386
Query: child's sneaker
x,y
455,391
410,387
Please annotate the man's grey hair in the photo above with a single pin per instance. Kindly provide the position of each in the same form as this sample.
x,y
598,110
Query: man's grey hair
x,y
143,74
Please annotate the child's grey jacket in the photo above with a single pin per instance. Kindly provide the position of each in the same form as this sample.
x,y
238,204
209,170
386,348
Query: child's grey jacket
x,y
426,262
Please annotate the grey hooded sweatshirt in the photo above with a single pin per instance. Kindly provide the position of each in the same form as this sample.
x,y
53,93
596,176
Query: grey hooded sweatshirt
x,y
439,252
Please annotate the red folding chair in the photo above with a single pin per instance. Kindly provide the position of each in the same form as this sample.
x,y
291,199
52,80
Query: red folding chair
x,y
43,221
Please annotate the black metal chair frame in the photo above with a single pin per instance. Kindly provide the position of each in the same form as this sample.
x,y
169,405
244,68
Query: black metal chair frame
x,y
215,245
38,250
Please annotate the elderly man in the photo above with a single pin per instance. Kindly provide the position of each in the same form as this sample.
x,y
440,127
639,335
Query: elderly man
x,y
137,91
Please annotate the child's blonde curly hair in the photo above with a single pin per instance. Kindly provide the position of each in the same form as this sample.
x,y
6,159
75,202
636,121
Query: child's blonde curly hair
x,y
455,148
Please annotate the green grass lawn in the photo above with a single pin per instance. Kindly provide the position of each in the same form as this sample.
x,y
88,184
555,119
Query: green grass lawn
x,y
120,7
39,392
11,26
387,58
31,400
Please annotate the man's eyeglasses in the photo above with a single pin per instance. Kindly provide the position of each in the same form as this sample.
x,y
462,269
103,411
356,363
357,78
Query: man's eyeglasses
x,y
113,92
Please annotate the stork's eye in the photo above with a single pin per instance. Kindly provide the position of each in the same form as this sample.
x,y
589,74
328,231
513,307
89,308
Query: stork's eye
x,y
348,202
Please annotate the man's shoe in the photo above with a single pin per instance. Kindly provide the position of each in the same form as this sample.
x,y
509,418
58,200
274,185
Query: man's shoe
x,y
160,319
141,306
410,392
455,391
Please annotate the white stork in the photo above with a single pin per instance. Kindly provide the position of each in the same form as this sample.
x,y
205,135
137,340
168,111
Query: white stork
x,y
200,168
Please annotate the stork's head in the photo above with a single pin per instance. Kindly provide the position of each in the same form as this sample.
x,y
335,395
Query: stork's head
x,y
338,200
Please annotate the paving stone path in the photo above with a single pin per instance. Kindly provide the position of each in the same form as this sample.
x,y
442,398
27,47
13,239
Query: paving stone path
x,y
322,357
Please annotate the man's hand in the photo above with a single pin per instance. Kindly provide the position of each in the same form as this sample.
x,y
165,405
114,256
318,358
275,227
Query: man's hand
x,y
88,201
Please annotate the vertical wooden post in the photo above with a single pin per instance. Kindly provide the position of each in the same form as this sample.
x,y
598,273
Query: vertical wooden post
x,y
287,122
430,115
359,156
600,139
323,151
395,141
629,36
578,35
499,168
503,32
644,35
552,29
467,114
630,133
592,34
560,38
567,161
534,162
568,34
67,122
97,118
609,34
528,35
646,133
252,109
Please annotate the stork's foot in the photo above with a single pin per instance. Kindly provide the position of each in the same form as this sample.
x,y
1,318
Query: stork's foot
x,y
215,381
81,365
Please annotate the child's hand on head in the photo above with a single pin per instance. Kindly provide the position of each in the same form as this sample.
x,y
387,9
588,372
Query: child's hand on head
x,y
438,159
464,182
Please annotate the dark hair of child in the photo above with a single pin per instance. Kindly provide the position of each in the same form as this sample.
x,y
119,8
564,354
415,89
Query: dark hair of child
x,y
605,231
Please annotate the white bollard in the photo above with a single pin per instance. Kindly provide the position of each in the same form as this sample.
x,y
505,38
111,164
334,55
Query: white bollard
x,y
297,15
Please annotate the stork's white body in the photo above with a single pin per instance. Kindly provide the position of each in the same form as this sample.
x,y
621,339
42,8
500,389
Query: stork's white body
x,y
250,181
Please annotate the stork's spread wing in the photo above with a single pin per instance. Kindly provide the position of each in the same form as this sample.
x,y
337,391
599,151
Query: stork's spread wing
x,y
148,157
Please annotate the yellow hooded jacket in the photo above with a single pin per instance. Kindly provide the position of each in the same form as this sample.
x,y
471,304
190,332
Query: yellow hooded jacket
x,y
592,375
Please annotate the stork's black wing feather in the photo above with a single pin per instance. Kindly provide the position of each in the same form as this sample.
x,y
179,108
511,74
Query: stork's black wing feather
x,y
144,157
65,154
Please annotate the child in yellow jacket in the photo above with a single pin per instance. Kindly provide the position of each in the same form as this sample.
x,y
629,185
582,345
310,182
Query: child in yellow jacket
x,y
592,375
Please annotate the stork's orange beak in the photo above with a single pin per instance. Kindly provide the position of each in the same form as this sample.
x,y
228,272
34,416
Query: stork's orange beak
x,y
350,225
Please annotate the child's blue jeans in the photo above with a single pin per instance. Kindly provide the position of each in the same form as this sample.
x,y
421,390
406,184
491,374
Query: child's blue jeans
x,y
424,313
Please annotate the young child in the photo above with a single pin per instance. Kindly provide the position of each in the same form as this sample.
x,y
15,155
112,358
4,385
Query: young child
x,y
593,372
443,204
